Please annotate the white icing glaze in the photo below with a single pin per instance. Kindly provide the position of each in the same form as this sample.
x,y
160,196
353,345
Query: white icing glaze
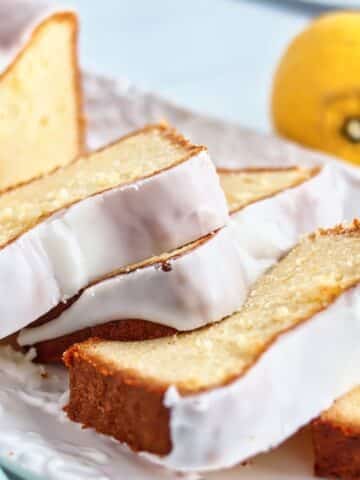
x,y
188,296
298,377
193,293
98,235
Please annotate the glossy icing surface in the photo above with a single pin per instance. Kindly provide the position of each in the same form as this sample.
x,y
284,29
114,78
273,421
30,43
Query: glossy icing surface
x,y
275,398
107,232
185,295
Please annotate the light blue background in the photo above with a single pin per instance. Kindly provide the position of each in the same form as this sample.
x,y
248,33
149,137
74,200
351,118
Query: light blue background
x,y
216,56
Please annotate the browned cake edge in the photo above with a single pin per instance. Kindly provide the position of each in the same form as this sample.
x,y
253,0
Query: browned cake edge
x,y
168,132
100,392
336,450
116,404
51,351
70,17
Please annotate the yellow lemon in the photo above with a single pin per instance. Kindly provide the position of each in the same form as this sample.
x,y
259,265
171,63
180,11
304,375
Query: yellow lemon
x,y
316,90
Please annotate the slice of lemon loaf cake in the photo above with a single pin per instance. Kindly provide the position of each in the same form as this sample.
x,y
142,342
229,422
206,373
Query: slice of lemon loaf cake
x,y
203,283
219,395
336,438
181,290
148,193
41,119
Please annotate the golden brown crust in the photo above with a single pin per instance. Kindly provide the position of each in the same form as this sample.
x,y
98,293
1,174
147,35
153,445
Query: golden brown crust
x,y
66,16
340,229
98,395
168,132
177,138
51,351
77,79
336,449
80,350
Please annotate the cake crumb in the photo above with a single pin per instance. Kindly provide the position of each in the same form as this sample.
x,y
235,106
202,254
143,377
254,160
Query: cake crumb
x,y
166,266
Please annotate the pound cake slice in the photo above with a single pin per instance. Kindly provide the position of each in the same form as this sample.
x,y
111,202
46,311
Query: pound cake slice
x,y
148,193
336,438
189,292
41,120
181,290
219,395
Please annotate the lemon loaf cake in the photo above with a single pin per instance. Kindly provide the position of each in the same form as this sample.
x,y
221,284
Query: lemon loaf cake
x,y
41,123
336,438
207,281
219,395
189,292
148,193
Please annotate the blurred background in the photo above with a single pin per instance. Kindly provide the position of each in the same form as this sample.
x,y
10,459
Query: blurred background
x,y
215,56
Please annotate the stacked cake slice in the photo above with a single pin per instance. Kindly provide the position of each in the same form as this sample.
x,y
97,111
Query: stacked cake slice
x,y
149,193
202,282
41,120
